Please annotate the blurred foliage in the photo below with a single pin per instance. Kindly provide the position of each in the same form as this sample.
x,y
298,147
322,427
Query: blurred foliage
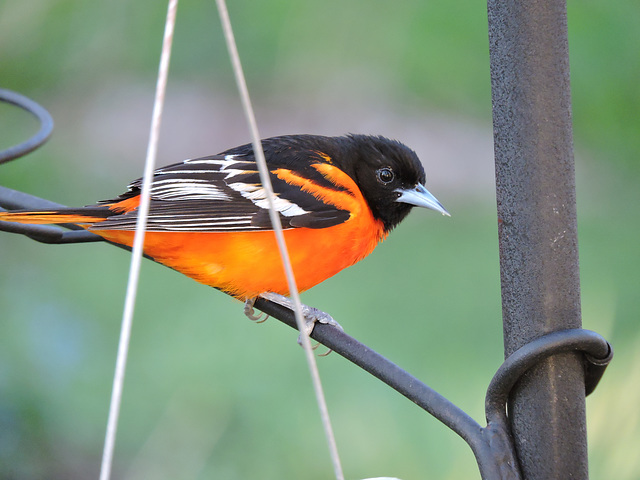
x,y
211,395
431,51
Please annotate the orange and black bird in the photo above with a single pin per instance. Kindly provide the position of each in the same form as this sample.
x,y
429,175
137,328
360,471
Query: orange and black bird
x,y
337,198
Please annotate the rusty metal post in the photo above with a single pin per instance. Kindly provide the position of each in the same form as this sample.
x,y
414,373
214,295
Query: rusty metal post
x,y
537,228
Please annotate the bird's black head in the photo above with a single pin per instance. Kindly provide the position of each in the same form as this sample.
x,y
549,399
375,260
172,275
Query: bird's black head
x,y
390,177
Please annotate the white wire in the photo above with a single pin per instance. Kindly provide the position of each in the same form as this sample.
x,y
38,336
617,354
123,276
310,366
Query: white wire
x,y
277,227
138,242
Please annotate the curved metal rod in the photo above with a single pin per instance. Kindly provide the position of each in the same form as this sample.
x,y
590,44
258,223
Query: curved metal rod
x,y
46,125
598,353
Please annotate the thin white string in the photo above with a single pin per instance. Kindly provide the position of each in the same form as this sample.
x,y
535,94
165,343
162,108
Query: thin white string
x,y
138,242
277,227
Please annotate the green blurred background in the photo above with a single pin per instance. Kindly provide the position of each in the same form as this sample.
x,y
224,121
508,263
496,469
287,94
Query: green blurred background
x,y
209,394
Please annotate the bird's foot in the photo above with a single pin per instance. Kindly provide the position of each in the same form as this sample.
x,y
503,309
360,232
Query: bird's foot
x,y
310,315
250,312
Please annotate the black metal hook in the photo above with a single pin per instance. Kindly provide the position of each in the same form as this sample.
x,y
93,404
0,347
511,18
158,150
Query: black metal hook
x,y
597,354
43,116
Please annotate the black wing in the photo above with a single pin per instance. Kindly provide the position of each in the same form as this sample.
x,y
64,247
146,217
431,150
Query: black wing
x,y
223,193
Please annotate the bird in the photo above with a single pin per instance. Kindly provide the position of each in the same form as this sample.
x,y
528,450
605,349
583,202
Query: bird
x,y
336,197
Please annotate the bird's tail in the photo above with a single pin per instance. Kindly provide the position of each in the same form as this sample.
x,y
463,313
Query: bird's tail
x,y
80,216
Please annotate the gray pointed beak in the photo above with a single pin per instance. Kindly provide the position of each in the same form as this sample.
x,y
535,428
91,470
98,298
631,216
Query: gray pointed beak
x,y
420,197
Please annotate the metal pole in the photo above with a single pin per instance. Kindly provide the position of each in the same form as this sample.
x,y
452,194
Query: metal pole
x,y
537,228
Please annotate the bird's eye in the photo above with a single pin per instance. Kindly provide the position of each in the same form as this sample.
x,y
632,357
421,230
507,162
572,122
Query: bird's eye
x,y
385,175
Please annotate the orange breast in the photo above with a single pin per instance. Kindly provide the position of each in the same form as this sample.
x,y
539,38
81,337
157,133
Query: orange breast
x,y
245,264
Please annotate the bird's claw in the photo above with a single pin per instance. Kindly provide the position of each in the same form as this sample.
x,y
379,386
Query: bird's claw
x,y
310,315
249,311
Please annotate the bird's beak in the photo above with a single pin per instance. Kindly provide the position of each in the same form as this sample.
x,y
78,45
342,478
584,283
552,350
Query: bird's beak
x,y
420,197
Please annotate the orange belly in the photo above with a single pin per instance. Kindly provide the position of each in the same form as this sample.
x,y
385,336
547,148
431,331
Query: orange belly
x,y
245,264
